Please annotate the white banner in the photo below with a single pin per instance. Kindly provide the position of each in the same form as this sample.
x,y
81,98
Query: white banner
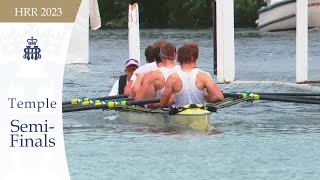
x,y
32,58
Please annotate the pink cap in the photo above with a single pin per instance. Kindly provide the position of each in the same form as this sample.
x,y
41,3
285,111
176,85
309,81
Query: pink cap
x,y
132,62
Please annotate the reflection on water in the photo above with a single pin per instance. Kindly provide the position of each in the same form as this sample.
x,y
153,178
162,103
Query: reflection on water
x,y
259,140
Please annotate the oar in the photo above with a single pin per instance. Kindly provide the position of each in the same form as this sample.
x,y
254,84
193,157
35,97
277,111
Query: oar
x,y
271,98
315,98
287,99
80,104
76,101
289,94
111,105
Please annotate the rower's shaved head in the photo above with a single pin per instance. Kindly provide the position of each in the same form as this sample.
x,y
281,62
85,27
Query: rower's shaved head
x,y
156,49
195,49
185,54
168,50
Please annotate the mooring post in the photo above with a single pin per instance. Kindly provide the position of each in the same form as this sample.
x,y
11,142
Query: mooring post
x,y
302,41
78,50
225,41
214,19
134,33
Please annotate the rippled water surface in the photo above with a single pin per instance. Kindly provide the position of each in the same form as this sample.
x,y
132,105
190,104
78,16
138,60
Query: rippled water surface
x,y
260,140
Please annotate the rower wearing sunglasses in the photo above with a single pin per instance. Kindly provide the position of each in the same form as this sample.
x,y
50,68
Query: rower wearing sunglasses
x,y
130,66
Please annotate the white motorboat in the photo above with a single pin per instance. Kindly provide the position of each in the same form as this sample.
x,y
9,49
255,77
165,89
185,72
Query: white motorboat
x,y
279,15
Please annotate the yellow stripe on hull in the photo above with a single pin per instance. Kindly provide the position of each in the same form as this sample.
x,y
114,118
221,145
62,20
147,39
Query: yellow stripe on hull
x,y
194,118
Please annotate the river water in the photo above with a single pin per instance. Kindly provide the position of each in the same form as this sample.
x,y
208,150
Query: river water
x,y
260,140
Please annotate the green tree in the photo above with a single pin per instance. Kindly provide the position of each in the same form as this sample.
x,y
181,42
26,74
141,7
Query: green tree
x,y
174,13
246,12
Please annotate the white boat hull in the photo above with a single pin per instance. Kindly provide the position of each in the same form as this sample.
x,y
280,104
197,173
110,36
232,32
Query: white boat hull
x,y
282,15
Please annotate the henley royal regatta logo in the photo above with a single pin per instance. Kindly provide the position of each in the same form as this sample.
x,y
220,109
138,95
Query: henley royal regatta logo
x,y
32,51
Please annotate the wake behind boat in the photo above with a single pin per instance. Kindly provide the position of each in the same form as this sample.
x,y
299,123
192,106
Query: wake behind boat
x,y
280,15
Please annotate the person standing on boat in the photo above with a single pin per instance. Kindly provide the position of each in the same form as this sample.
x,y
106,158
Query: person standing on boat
x,y
152,84
134,84
118,88
190,85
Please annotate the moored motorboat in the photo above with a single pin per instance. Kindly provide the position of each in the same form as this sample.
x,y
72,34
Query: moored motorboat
x,y
195,118
280,15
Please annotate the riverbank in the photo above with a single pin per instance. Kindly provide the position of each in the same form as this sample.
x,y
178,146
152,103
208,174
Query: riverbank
x,y
175,13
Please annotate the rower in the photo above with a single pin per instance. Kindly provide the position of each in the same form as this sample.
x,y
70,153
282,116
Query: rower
x,y
190,85
152,84
134,84
118,88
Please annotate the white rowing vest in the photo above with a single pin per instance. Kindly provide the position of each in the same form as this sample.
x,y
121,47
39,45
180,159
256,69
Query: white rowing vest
x,y
189,93
166,72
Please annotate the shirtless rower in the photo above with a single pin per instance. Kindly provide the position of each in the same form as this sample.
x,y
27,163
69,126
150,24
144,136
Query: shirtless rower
x,y
133,85
190,85
152,84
